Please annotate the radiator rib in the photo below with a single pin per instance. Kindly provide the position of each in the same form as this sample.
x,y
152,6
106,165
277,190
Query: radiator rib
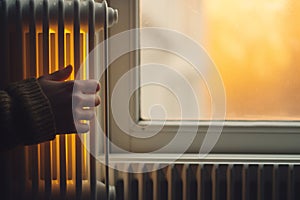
x,y
221,182
295,185
267,177
147,187
91,42
252,182
4,41
206,182
15,74
45,67
282,182
77,62
61,63
162,185
236,189
191,182
177,182
33,73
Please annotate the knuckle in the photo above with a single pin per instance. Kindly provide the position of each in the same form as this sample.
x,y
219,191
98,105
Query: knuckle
x,y
97,100
77,113
77,98
92,84
77,85
83,128
89,101
91,115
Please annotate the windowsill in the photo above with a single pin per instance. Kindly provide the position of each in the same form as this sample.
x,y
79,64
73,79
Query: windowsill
x,y
129,158
237,137
228,126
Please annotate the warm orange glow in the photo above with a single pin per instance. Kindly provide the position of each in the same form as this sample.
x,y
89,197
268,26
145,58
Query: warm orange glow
x,y
53,66
84,158
256,46
70,139
83,55
70,143
69,50
39,52
53,51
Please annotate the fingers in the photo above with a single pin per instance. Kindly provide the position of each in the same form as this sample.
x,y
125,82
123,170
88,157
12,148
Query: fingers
x,y
85,93
84,114
87,86
60,75
97,101
81,119
82,100
69,100
82,127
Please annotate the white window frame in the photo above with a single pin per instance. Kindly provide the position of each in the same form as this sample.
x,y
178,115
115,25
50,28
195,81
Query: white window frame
x,y
251,137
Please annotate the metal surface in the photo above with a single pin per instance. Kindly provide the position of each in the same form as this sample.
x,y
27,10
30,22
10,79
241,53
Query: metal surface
x,y
106,99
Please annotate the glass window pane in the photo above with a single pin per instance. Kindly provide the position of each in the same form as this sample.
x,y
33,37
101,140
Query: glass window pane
x,y
255,45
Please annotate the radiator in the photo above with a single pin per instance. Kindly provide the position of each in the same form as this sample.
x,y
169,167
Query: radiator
x,y
37,37
228,177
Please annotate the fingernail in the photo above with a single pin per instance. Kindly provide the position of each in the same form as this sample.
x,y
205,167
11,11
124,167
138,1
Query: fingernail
x,y
98,87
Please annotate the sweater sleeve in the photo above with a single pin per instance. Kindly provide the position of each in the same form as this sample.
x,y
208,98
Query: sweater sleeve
x,y
26,116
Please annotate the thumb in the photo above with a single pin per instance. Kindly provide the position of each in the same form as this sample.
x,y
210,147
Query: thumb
x,y
60,75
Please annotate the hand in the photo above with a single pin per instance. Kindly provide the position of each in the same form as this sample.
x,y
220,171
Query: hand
x,y
60,94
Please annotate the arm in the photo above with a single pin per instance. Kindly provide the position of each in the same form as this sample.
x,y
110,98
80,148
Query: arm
x,y
26,116
35,110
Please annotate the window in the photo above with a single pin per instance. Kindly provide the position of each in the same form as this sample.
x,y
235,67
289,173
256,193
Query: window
x,y
255,46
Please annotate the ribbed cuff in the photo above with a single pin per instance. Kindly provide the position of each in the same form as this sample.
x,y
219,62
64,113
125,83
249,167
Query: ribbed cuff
x,y
33,112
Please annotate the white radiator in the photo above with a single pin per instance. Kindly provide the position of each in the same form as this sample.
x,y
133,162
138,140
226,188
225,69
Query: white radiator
x,y
37,37
219,177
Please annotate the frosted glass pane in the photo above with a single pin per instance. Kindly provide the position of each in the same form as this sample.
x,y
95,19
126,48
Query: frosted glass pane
x,y
255,45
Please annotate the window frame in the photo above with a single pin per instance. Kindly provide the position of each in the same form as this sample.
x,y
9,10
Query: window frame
x,y
251,137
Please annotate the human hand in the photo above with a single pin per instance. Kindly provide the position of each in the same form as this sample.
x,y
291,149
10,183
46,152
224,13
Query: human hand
x,y
59,93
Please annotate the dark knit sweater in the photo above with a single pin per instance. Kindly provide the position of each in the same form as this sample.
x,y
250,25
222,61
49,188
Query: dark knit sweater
x,y
25,115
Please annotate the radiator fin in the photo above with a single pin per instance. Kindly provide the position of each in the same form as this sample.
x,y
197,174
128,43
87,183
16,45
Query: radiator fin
x,y
236,182
295,185
252,182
